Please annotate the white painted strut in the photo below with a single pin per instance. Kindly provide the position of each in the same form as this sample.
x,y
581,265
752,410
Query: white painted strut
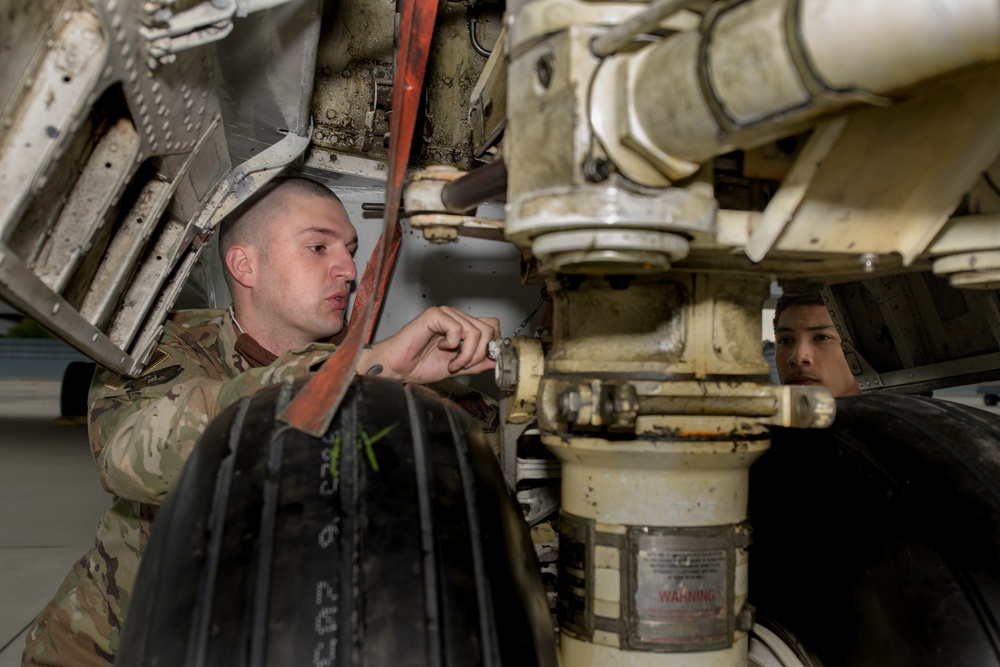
x,y
764,68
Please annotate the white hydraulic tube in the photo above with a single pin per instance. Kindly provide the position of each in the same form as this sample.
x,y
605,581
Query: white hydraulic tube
x,y
763,68
881,47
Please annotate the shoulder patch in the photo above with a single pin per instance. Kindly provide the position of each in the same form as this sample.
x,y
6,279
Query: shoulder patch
x,y
119,381
154,378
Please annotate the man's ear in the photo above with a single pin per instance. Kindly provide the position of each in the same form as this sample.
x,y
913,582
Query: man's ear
x,y
241,260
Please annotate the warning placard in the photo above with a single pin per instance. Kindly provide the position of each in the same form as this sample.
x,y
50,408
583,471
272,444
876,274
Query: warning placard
x,y
681,594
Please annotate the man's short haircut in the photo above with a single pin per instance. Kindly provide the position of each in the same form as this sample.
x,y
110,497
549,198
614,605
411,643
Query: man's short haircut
x,y
245,223
786,301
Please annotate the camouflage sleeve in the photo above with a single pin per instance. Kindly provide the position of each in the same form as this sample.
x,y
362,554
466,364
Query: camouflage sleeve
x,y
141,433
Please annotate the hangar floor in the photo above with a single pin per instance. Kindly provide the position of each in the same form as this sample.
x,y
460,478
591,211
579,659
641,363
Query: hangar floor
x,y
50,501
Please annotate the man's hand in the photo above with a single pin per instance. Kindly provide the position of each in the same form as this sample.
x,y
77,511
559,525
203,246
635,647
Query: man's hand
x,y
440,343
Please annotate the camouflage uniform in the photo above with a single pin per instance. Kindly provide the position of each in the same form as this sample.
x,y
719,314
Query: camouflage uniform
x,y
141,432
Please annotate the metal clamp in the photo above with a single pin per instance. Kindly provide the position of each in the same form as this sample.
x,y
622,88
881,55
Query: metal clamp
x,y
202,24
519,369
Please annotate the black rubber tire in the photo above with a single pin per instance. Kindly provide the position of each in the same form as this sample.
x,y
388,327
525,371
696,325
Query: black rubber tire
x,y
76,381
261,557
877,541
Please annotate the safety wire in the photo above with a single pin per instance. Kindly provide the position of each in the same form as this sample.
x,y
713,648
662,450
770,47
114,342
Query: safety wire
x,y
542,298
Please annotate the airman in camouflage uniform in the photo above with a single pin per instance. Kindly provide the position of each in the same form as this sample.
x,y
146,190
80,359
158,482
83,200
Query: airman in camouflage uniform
x,y
289,261
141,432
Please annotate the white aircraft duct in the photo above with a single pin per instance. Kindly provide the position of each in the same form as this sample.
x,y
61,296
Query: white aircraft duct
x,y
761,69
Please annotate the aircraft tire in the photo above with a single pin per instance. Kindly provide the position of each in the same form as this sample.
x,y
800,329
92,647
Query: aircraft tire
x,y
877,541
276,548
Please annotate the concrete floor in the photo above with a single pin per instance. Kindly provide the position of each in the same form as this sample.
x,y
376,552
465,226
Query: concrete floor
x,y
50,501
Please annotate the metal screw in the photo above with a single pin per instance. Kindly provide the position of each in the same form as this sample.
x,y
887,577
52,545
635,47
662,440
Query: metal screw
x,y
869,261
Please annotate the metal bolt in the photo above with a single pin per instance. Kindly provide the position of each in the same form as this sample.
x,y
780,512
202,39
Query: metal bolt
x,y
569,403
869,261
596,170
619,405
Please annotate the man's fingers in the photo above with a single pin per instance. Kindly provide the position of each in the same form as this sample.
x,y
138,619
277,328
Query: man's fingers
x,y
469,352
443,341
475,335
